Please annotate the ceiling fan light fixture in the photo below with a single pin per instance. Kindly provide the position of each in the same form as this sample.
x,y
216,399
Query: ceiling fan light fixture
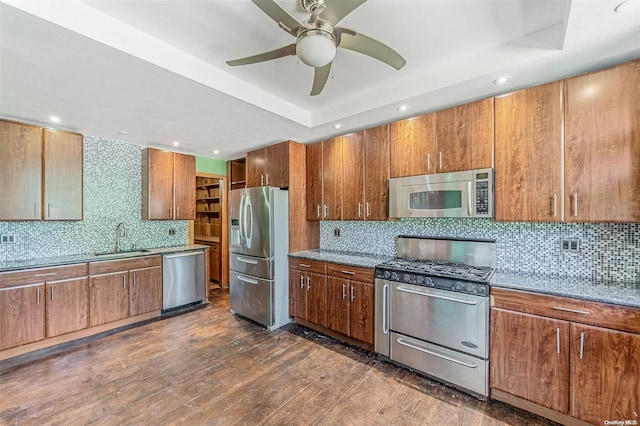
x,y
316,47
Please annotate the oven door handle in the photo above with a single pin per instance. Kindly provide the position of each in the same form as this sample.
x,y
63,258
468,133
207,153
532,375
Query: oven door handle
x,y
403,342
435,296
385,306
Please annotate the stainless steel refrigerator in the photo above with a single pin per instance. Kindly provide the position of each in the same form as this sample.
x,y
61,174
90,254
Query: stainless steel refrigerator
x,y
258,245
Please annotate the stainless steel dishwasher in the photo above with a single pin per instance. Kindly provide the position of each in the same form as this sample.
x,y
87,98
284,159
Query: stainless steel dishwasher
x,y
183,279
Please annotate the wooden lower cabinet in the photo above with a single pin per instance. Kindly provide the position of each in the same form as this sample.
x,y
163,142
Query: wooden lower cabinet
x,y
310,296
67,306
109,298
338,305
362,311
21,315
145,290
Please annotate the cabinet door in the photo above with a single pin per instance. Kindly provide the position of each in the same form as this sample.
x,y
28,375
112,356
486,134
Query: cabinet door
x,y
21,315
332,179
353,207
317,299
67,306
145,291
184,171
297,294
108,298
605,366
314,181
529,358
277,165
62,175
413,144
376,173
362,311
214,262
338,304
157,184
465,137
529,155
602,146
256,164
20,174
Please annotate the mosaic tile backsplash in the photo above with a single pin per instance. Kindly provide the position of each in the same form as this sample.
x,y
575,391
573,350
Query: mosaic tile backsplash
x,y
112,191
608,251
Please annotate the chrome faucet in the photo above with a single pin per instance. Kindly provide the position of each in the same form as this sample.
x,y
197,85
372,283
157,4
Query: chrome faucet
x,y
121,232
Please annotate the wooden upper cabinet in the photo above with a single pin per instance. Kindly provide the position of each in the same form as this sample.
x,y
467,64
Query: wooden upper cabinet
x,y
314,181
168,185
332,179
464,136
21,172
353,207
184,172
604,374
62,175
528,155
602,146
413,145
269,166
376,173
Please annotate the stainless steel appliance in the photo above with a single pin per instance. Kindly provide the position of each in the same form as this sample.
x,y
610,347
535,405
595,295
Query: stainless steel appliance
x,y
456,194
259,243
432,309
183,280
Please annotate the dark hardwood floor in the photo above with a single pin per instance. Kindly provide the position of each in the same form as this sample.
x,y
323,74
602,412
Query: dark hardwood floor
x,y
210,367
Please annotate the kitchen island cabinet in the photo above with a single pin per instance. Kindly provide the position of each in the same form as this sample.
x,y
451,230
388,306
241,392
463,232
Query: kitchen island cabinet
x,y
565,359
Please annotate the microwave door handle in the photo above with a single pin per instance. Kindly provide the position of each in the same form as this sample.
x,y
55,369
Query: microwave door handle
x,y
470,199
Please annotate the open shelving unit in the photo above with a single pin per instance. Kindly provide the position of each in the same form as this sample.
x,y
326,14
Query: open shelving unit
x,y
208,207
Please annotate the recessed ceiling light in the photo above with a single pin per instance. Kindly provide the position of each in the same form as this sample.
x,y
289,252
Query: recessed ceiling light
x,y
502,80
176,143
54,119
215,151
337,126
123,132
622,6
402,108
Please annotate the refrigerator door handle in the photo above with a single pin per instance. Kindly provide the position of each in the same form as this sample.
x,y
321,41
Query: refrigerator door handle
x,y
240,220
249,235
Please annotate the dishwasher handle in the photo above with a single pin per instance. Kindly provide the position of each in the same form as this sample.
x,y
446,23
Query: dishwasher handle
x,y
173,256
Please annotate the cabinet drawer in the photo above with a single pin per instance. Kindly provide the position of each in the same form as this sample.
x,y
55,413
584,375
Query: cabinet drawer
x,y
308,265
109,266
30,276
356,273
583,311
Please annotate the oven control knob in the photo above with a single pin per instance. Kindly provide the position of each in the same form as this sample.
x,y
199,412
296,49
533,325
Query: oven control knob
x,y
458,285
394,276
419,280
429,281
387,274
406,278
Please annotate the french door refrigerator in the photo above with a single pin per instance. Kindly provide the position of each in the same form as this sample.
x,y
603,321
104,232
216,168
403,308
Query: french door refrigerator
x,y
258,246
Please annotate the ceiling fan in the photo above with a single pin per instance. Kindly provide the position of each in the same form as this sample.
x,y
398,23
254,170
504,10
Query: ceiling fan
x,y
318,38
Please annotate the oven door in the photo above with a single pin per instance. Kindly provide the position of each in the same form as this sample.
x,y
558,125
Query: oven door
x,y
455,320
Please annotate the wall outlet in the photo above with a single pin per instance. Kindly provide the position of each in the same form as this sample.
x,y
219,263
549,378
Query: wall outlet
x,y
8,238
570,245
172,232
336,232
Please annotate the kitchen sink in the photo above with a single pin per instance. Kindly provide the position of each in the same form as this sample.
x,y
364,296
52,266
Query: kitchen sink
x,y
114,253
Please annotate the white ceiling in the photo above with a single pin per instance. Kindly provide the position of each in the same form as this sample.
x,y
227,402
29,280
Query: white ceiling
x,y
156,69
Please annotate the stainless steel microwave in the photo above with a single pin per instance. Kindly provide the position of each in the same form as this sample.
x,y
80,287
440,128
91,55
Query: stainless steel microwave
x,y
456,194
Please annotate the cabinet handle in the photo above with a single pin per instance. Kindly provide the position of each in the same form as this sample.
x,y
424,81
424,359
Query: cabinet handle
x,y
368,209
304,265
48,209
267,178
440,159
318,210
261,180
581,344
301,282
558,340
348,272
308,283
51,288
124,281
428,161
38,296
352,296
35,210
575,311
170,212
555,205
45,275
344,291
177,212
134,279
359,209
575,204
325,210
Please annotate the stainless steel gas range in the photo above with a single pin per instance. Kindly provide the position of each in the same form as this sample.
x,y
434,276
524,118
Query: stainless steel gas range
x,y
432,309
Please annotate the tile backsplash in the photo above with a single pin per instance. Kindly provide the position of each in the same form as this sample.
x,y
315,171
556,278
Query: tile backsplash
x,y
112,194
608,251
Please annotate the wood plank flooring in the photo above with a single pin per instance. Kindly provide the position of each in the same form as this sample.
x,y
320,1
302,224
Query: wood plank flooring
x,y
210,367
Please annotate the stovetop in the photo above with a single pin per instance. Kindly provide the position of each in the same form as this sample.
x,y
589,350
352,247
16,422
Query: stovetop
x,y
455,270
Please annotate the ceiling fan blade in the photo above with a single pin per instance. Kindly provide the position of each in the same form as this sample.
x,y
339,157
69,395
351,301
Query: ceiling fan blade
x,y
336,10
366,45
283,18
320,76
266,56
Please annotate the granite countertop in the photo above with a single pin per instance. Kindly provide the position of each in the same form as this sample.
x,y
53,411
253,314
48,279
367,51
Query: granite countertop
x,y
44,262
344,258
617,293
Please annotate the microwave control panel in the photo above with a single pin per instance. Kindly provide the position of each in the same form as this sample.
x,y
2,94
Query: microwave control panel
x,y
483,194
